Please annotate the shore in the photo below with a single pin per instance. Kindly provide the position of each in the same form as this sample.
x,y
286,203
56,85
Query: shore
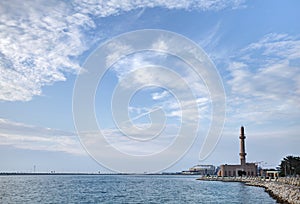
x,y
284,190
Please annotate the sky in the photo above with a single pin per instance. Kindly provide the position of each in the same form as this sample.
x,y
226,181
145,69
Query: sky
x,y
153,103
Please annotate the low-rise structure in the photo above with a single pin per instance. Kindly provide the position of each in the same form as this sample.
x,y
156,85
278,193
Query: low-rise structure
x,y
203,169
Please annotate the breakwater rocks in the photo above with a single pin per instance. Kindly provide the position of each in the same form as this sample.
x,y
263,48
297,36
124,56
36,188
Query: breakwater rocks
x,y
284,190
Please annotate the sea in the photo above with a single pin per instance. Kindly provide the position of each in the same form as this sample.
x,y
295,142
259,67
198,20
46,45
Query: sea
x,y
125,189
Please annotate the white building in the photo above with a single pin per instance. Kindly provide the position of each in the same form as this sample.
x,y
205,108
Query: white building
x,y
203,169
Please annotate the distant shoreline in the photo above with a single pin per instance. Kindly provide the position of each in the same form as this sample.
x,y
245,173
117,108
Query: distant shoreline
x,y
42,174
85,174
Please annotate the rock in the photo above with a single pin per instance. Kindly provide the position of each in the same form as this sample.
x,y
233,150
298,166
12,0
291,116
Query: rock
x,y
284,190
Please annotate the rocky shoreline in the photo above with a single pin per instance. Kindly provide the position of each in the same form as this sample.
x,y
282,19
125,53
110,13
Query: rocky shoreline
x,y
284,190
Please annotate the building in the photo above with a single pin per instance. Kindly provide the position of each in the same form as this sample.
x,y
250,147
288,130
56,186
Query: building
x,y
244,168
203,169
270,173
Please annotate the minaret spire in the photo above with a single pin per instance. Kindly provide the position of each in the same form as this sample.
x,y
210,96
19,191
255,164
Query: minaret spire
x,y
242,147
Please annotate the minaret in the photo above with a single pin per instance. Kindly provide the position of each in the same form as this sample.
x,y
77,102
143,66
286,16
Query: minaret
x,y
242,147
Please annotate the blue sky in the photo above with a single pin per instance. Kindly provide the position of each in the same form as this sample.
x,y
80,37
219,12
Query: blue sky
x,y
254,45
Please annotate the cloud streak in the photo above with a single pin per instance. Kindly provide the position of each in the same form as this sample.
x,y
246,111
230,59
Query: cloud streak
x,y
22,136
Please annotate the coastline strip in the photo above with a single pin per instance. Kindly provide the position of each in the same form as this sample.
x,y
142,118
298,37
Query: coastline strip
x,y
284,190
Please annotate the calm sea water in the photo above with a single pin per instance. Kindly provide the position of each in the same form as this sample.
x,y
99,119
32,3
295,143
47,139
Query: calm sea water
x,y
125,189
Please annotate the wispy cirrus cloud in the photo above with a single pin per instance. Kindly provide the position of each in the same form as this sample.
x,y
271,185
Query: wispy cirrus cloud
x,y
165,98
23,136
28,137
274,48
265,79
42,41
114,7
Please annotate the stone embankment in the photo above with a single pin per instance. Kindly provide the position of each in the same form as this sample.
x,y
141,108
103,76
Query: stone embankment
x,y
284,190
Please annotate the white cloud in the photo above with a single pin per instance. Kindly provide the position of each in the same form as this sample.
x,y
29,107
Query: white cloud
x,y
37,44
160,45
29,137
264,83
174,89
127,64
128,144
114,7
41,41
161,95
274,48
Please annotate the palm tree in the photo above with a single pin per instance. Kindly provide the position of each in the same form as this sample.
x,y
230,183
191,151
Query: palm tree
x,y
290,166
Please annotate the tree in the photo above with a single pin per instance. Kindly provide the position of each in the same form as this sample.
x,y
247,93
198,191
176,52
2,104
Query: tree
x,y
290,166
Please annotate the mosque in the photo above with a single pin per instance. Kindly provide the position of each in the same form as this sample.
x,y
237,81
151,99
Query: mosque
x,y
247,169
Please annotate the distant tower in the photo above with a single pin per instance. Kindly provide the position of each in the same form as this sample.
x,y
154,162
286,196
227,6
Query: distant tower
x,y
242,147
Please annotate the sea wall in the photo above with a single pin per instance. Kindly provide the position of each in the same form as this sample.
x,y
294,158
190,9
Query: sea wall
x,y
284,190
